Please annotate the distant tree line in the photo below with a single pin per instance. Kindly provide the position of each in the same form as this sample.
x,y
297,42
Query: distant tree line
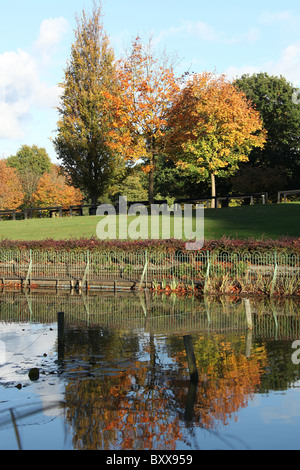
x,y
30,179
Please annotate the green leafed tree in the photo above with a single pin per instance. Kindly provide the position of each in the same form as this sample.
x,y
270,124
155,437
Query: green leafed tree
x,y
30,162
278,104
84,112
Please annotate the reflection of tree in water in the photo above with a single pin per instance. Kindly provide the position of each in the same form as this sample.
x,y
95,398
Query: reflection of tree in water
x,y
227,378
117,413
129,408
127,398
282,373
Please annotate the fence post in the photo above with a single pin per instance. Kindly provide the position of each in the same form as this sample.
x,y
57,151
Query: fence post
x,y
188,342
248,314
207,272
84,279
275,275
190,401
144,271
207,311
28,277
146,274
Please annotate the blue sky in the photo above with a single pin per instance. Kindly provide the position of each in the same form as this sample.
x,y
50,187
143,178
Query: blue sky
x,y
225,37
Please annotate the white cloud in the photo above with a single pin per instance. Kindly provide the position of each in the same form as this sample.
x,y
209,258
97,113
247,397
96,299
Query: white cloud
x,y
285,21
206,32
11,121
201,30
269,18
249,37
22,90
18,78
235,72
52,31
288,65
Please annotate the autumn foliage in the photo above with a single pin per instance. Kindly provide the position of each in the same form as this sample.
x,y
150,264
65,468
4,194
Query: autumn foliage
x,y
116,113
142,406
228,379
146,89
11,194
213,127
53,189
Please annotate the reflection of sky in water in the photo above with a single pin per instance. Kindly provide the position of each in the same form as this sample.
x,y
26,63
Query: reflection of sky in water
x,y
25,346
270,421
267,421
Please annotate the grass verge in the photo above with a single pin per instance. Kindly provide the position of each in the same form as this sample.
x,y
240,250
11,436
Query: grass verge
x,y
257,222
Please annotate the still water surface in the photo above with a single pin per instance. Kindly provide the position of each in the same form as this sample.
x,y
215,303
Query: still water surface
x,y
120,377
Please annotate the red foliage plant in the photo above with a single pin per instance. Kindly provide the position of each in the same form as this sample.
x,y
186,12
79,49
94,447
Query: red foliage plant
x,y
225,244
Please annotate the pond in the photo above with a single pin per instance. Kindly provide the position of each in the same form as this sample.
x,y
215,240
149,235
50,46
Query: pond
x,y
115,374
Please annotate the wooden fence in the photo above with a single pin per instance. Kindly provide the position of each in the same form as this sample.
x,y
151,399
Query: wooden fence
x,y
286,194
90,209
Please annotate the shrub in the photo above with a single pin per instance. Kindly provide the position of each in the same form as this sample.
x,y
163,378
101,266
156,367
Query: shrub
x,y
225,244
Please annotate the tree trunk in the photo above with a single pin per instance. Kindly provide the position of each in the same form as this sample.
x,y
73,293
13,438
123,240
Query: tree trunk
x,y
94,199
213,191
151,186
152,155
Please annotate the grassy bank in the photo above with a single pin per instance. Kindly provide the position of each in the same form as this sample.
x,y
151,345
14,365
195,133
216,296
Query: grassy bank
x,y
268,222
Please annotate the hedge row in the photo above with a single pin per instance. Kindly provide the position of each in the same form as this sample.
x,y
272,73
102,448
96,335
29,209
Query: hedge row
x,y
283,245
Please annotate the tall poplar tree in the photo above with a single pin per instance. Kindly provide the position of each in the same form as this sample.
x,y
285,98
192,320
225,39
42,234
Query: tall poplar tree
x,y
84,116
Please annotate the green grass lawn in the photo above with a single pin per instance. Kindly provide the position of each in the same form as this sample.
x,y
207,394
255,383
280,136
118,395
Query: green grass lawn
x,y
269,221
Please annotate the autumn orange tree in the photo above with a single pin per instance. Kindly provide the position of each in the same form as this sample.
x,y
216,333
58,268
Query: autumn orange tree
x,y
11,194
147,86
30,162
213,127
228,379
54,189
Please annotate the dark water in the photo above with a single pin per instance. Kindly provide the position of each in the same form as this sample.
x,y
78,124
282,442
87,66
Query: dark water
x,y
119,378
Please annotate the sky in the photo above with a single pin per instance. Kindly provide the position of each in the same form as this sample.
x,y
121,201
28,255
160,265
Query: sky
x,y
231,37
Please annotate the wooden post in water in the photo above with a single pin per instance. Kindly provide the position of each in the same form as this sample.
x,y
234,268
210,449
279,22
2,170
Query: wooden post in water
x,y
60,326
248,314
190,401
60,334
188,342
249,338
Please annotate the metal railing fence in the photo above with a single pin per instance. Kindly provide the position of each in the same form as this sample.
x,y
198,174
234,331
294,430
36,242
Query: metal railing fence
x,y
203,268
159,314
